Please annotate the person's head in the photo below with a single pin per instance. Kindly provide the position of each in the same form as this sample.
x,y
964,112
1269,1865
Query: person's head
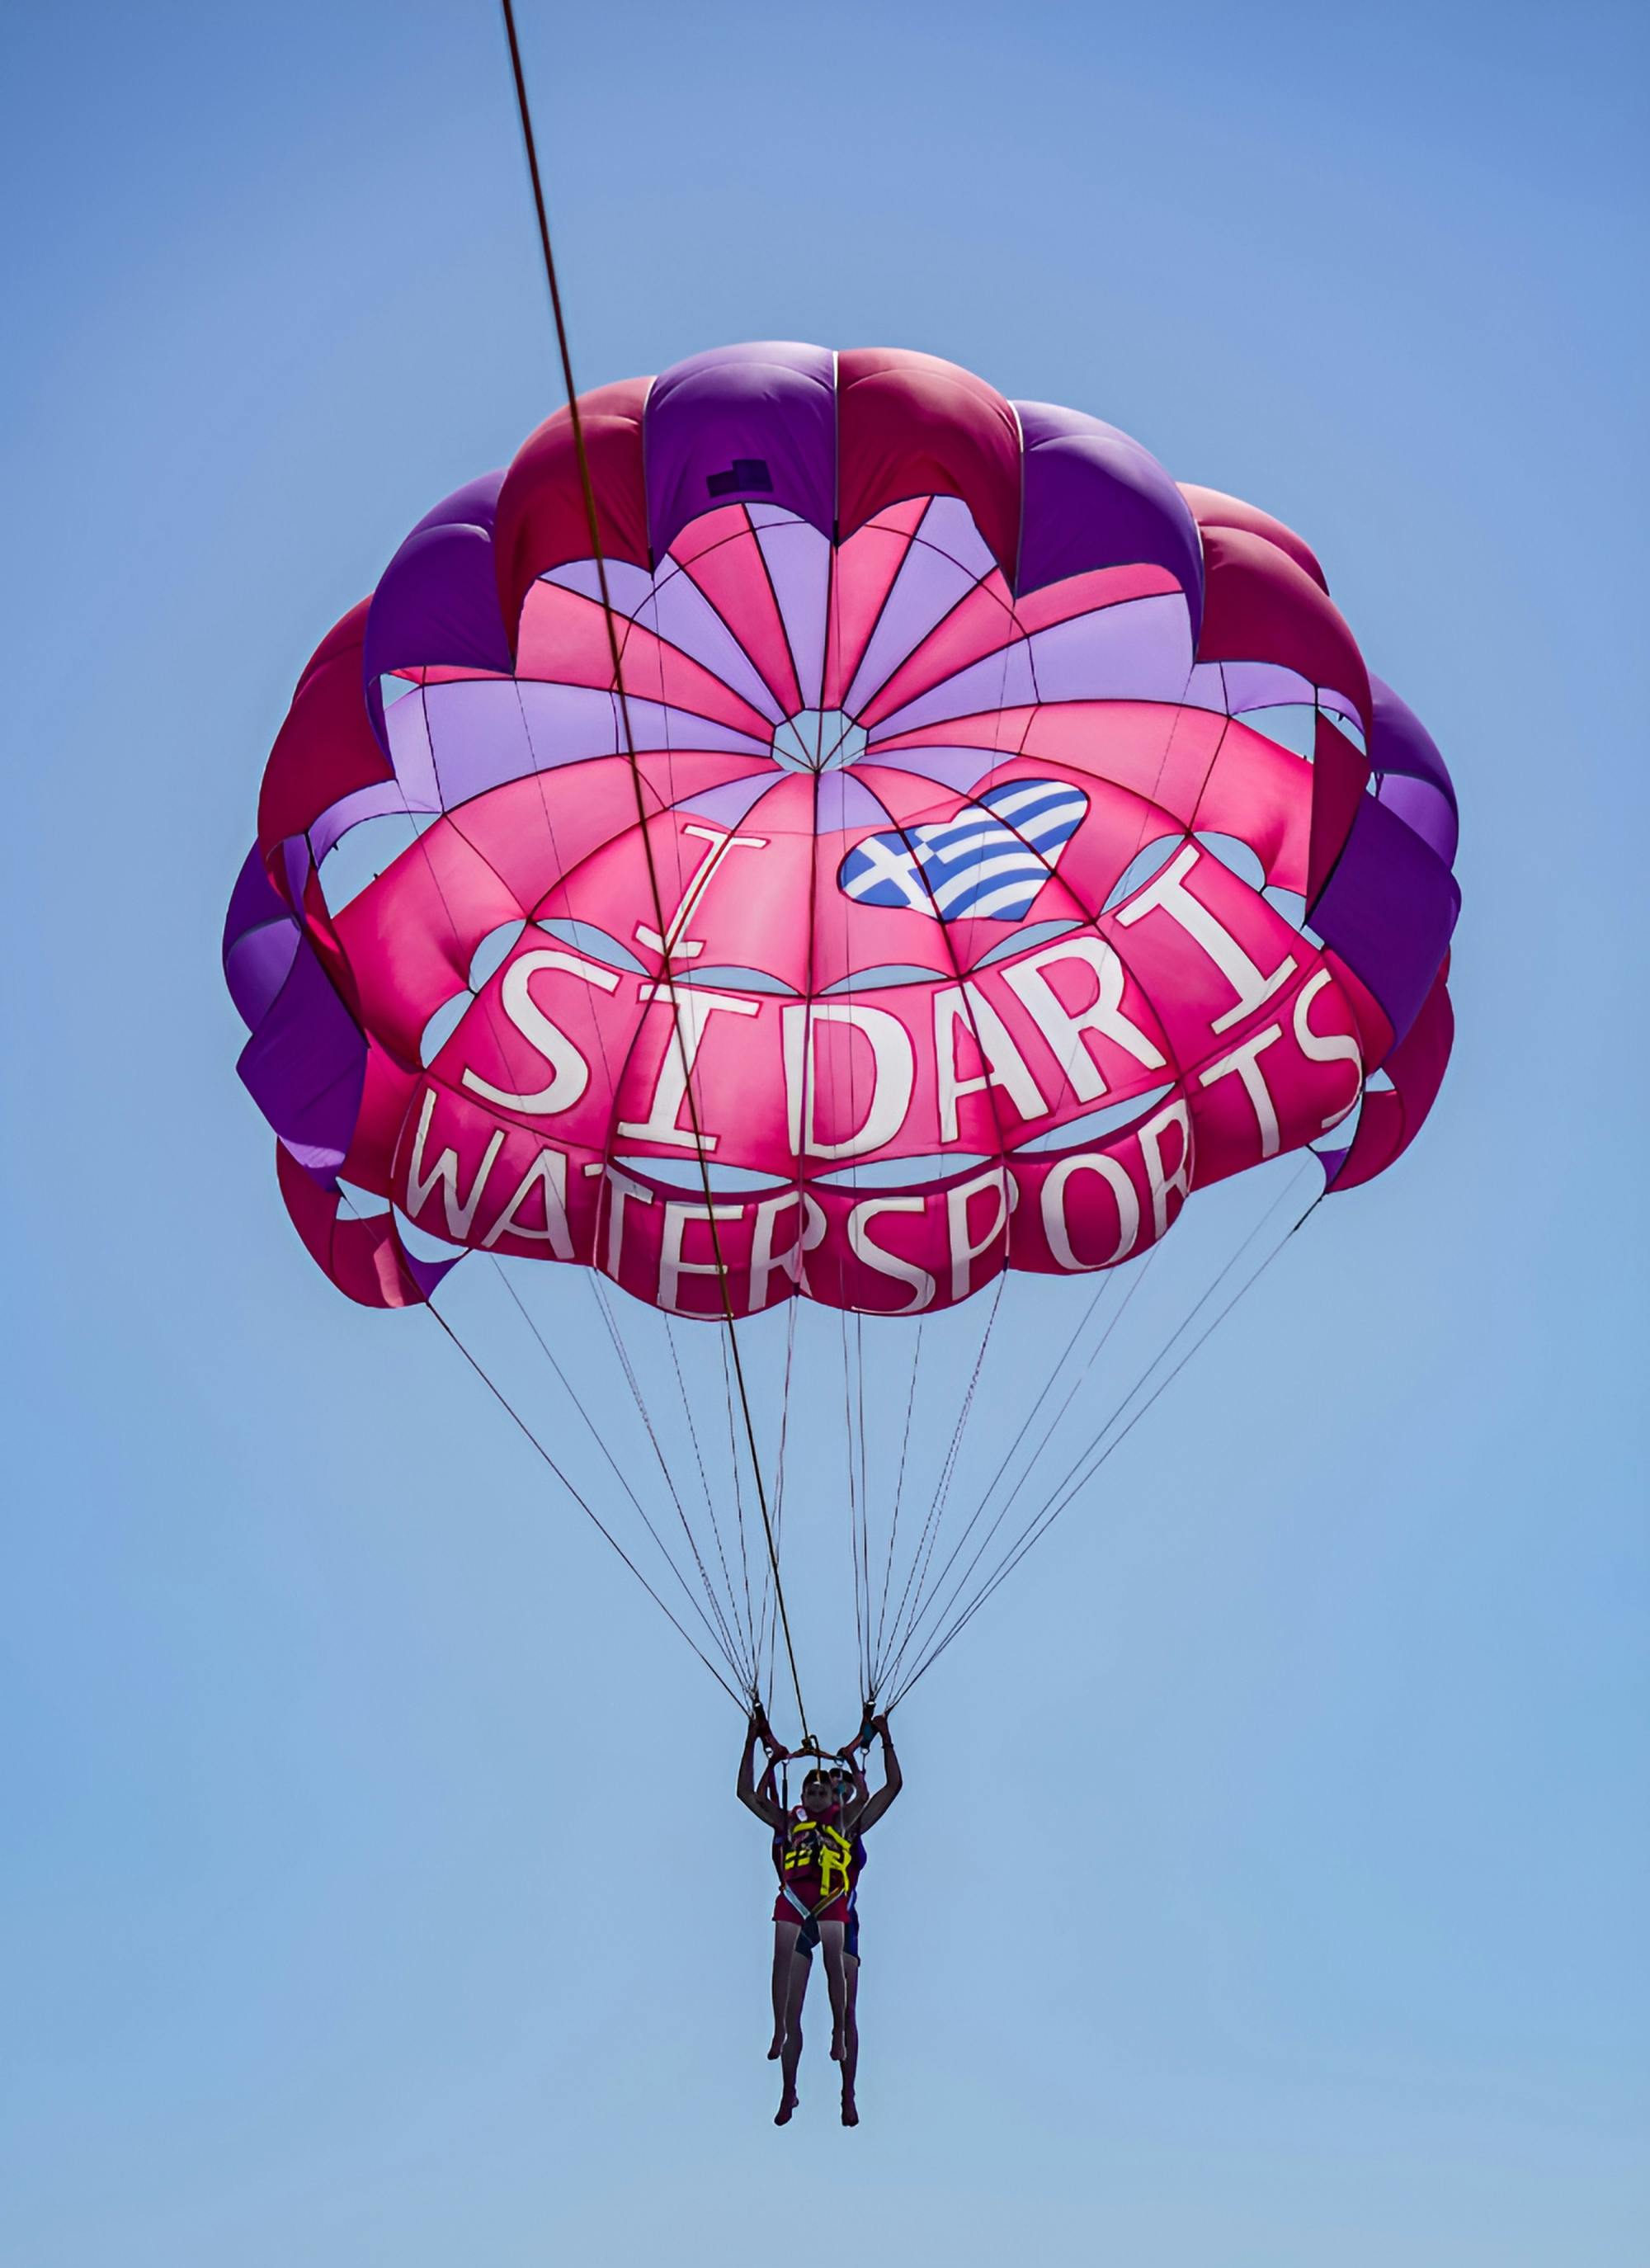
x,y
827,1788
821,1793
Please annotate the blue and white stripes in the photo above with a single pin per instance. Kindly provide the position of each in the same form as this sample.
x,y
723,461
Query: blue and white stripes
x,y
987,864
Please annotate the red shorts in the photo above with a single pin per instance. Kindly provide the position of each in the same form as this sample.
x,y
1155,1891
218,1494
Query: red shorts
x,y
784,1910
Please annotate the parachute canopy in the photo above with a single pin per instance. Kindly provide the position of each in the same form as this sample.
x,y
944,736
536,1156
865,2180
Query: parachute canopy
x,y
980,843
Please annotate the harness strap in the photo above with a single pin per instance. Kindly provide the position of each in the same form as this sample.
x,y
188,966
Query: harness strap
x,y
808,1912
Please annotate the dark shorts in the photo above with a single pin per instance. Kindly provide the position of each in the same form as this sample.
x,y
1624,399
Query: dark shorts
x,y
807,1937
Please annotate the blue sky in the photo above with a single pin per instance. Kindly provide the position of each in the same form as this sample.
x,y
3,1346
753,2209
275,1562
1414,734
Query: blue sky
x,y
1270,1888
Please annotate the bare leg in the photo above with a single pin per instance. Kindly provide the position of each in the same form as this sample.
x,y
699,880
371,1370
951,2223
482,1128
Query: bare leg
x,y
792,2051
786,1934
851,2041
830,1945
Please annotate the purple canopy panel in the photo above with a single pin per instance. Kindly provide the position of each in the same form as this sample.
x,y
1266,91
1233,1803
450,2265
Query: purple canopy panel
x,y
929,585
436,601
1092,497
1003,679
261,937
728,805
304,1066
474,506
388,798
842,800
798,562
258,964
677,610
426,1274
950,767
1390,908
437,604
1416,784
1261,685
747,424
295,865
1140,651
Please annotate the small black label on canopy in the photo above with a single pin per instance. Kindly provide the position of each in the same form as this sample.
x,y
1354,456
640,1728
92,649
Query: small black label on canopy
x,y
743,473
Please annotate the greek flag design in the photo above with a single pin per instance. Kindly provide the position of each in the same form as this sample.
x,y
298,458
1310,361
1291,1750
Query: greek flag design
x,y
987,864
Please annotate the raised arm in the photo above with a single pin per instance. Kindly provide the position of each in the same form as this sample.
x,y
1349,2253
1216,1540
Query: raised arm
x,y
853,1809
893,1779
759,1798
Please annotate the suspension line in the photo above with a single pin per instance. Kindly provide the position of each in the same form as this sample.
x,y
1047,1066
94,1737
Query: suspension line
x,y
662,931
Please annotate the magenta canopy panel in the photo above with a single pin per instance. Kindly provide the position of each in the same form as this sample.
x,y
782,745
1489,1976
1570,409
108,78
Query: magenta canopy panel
x,y
982,843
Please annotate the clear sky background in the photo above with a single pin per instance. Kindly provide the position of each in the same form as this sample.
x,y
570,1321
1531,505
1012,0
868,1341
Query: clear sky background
x,y
1270,1887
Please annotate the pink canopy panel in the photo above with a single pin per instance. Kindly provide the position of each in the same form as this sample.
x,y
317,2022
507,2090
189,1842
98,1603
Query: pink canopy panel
x,y
982,843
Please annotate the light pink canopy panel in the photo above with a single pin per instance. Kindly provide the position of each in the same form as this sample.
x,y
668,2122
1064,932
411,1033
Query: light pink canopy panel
x,y
980,844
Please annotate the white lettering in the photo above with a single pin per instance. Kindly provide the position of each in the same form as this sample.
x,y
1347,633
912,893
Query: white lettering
x,y
963,1253
810,1230
1005,1065
548,1173
1335,1047
1166,892
893,1071
888,1264
692,1009
621,1188
1245,1061
1054,1221
1064,1030
1162,1184
674,946
459,1211
570,1073
672,1266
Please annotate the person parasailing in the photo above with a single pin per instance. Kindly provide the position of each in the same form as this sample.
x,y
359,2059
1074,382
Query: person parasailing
x,y
819,1854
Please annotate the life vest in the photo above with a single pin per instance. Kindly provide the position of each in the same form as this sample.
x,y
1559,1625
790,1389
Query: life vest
x,y
817,1851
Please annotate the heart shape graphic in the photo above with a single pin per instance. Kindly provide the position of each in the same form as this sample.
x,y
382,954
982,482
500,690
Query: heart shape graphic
x,y
988,863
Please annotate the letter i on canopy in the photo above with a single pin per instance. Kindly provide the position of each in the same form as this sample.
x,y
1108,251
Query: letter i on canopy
x,y
674,946
1166,894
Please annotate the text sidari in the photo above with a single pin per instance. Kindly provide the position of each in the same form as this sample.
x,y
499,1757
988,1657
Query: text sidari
x,y
637,1081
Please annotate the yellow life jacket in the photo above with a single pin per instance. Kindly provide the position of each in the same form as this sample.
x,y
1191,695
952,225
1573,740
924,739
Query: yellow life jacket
x,y
816,1846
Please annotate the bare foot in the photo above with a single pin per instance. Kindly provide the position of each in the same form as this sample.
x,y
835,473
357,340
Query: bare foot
x,y
787,2104
838,2050
777,2049
851,2109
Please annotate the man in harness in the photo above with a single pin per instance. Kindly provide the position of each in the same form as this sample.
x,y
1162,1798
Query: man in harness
x,y
819,1854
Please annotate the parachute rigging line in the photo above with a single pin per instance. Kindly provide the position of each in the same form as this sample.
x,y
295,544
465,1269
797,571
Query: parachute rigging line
x,y
698,1458
739,1508
1016,1549
921,1608
921,1557
766,1631
721,1636
1107,1282
1038,1527
576,421
622,1354
731,1650
728,1653
594,1519
899,1488
929,1535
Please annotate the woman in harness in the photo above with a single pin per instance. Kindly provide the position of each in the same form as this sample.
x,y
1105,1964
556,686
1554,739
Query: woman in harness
x,y
818,1853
